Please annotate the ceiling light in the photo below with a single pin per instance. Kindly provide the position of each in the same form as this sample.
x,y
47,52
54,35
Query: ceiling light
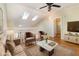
x,y
25,16
34,18
20,25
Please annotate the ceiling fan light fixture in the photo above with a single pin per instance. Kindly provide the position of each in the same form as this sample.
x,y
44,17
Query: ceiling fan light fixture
x,y
20,25
34,18
25,16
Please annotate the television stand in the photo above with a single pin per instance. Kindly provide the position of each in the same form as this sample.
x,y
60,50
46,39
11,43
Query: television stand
x,y
71,38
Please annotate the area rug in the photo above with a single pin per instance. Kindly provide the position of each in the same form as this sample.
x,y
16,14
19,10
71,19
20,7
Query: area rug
x,y
58,51
63,51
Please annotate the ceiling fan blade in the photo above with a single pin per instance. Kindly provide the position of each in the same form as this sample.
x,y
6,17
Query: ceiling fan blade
x,y
43,7
56,5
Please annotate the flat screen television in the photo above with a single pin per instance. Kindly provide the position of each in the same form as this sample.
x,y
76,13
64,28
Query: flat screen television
x,y
73,26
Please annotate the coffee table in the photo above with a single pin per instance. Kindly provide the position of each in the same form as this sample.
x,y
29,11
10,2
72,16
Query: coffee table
x,y
48,46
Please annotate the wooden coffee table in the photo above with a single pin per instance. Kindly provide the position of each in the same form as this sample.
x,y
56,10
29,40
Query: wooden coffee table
x,y
48,46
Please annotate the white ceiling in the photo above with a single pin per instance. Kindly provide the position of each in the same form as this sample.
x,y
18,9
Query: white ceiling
x,y
15,12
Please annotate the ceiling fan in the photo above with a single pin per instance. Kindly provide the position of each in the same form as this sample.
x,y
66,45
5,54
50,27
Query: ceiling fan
x,y
49,5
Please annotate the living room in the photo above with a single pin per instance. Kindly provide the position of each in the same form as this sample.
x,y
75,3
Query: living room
x,y
23,20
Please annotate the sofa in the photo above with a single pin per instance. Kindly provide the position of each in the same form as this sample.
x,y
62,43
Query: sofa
x,y
13,50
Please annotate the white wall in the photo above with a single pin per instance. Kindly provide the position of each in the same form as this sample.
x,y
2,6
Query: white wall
x,y
3,7
68,14
47,25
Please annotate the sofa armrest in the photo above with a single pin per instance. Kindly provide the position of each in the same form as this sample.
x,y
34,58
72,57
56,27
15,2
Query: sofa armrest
x,y
7,53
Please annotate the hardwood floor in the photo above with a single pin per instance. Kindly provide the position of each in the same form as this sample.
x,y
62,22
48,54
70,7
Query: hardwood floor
x,y
63,49
68,45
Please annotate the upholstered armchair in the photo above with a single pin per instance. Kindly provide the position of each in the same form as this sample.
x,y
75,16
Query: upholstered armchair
x,y
41,33
29,38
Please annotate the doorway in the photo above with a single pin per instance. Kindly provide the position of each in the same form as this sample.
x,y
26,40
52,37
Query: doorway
x,y
57,28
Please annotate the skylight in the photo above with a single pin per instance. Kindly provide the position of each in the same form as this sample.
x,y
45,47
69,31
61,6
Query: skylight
x,y
25,16
34,18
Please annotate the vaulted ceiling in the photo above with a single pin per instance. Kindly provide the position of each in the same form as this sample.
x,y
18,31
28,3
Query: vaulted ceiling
x,y
15,12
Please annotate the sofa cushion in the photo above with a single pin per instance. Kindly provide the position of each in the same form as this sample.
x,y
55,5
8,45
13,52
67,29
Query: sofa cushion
x,y
18,49
21,54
